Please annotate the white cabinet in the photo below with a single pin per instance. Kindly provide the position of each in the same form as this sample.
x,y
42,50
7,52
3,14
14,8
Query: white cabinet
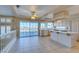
x,y
66,39
54,36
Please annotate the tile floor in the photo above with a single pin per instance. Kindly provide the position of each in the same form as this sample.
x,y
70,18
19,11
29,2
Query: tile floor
x,y
40,45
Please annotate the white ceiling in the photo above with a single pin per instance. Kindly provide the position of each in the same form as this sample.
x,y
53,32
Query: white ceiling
x,y
26,10
6,10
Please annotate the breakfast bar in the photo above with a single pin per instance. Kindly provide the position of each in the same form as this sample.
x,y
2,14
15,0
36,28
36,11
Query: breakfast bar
x,y
67,39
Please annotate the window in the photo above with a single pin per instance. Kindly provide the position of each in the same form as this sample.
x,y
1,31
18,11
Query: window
x,y
3,28
3,20
47,25
8,20
8,29
5,25
43,25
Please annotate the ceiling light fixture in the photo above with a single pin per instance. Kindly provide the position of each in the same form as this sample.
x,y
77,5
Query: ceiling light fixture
x,y
34,16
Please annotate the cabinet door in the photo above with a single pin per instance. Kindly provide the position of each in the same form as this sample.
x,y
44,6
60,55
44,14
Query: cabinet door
x,y
66,40
54,36
75,26
59,38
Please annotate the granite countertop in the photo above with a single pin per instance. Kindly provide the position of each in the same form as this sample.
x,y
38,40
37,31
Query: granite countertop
x,y
64,32
61,31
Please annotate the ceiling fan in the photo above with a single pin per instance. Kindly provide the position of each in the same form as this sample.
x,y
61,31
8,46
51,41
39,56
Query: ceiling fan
x,y
34,15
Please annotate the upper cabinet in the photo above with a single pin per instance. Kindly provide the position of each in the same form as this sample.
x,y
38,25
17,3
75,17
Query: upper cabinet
x,y
61,14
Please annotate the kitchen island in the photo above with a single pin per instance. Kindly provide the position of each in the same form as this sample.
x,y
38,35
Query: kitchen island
x,y
67,39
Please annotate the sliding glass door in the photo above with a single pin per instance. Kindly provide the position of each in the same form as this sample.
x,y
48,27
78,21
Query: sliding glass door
x,y
24,29
33,28
28,29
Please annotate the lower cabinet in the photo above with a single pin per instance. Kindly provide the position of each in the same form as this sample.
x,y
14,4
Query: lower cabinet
x,y
63,38
54,36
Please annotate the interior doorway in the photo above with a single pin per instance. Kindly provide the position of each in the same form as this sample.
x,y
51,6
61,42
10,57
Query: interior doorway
x,y
28,29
